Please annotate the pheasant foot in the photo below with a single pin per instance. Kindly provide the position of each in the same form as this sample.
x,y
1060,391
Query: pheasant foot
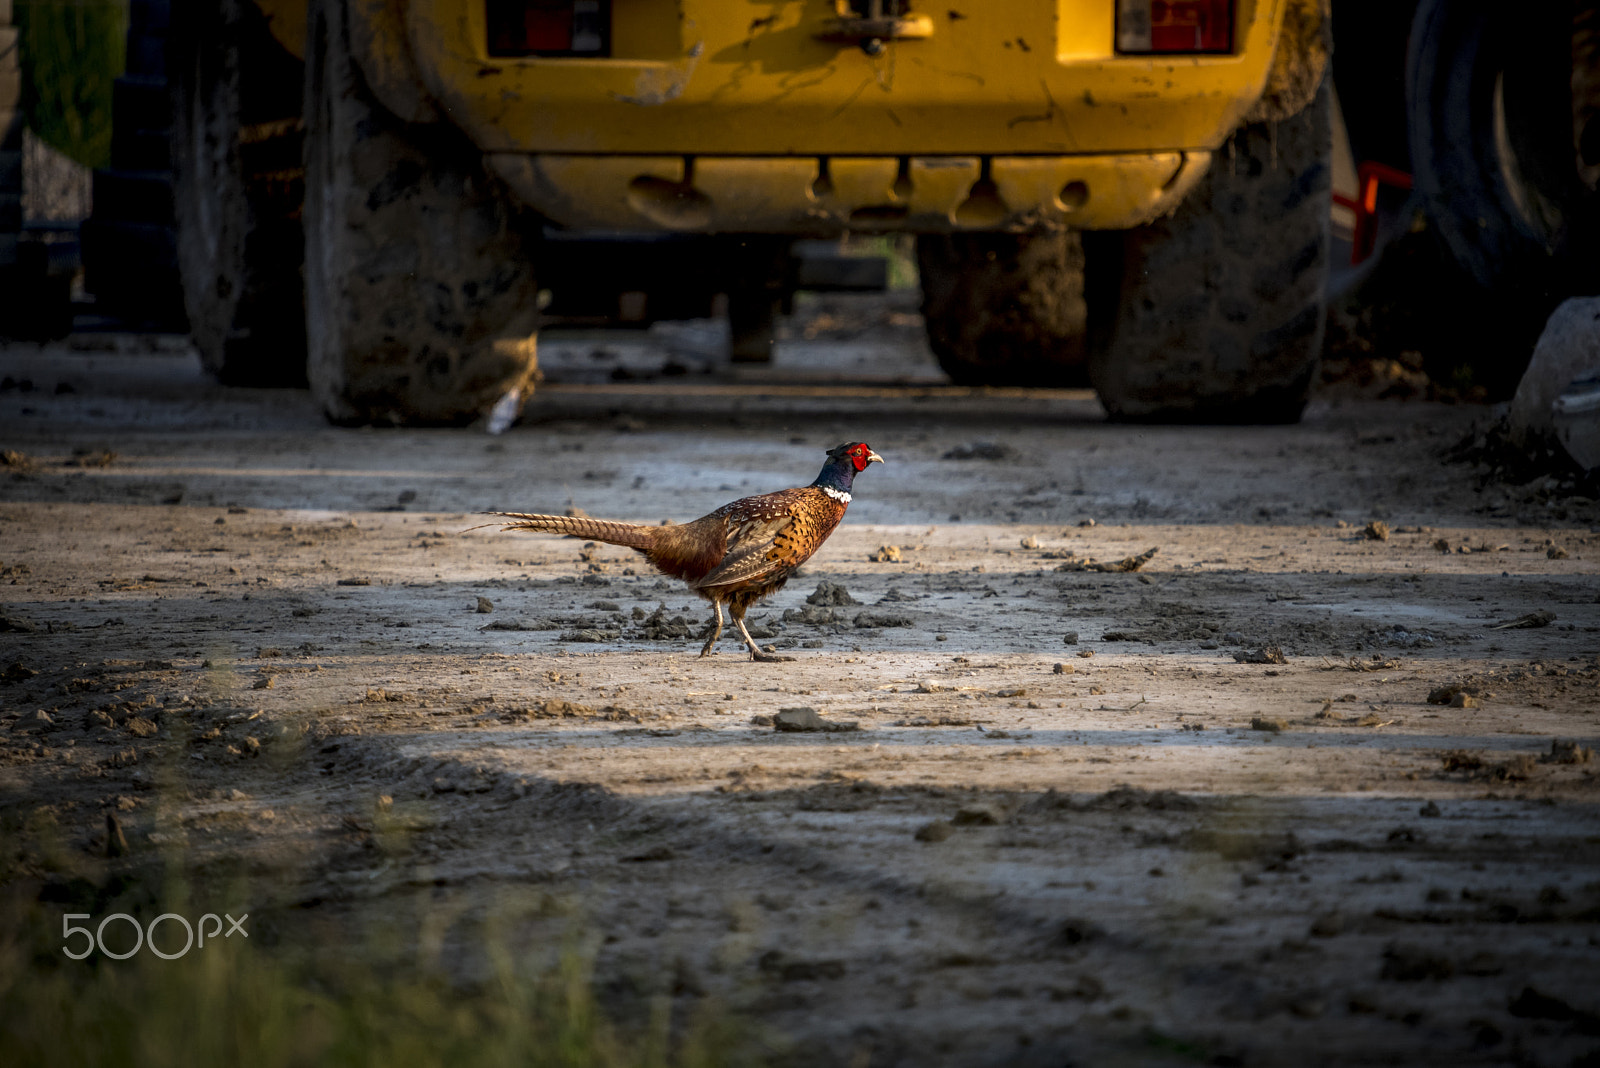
x,y
755,650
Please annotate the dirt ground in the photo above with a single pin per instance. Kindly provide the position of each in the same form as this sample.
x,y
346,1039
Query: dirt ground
x,y
1290,789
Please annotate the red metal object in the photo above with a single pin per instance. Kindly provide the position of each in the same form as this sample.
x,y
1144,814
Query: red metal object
x,y
1369,176
1191,25
1152,27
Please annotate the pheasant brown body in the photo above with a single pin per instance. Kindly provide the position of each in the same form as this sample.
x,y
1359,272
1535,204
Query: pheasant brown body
x,y
741,552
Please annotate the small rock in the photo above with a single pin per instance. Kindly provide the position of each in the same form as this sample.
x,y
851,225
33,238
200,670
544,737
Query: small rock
x,y
1411,964
656,853
1429,810
1263,723
17,672
355,582
1097,691
1542,618
1064,669
1328,925
140,726
1070,638
1555,552
980,450
806,719
1086,522
263,683
1085,654
1308,1008
761,720
978,815
937,831
1441,544
485,605
1267,654
1030,542
886,554
1465,700
1377,530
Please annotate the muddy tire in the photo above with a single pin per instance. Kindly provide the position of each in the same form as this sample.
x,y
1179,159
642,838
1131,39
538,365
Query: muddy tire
x,y
1490,103
1005,309
420,295
237,191
1216,314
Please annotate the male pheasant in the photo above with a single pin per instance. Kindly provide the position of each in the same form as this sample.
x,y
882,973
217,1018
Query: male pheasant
x,y
741,552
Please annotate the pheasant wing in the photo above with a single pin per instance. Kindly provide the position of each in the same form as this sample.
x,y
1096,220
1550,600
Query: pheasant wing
x,y
753,553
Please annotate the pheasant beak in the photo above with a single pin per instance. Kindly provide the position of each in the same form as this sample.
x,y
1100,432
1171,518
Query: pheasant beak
x,y
873,458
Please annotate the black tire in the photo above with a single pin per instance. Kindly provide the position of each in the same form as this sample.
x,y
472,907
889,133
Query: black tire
x,y
421,301
1489,103
1216,314
1005,309
237,192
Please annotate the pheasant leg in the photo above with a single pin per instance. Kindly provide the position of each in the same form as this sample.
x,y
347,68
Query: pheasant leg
x,y
755,650
715,628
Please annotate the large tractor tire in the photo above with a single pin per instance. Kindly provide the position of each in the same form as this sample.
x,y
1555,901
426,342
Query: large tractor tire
x,y
421,303
1216,313
1495,97
237,191
1005,309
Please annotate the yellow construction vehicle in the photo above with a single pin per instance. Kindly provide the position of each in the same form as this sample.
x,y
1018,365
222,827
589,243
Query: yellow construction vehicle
x,y
1129,191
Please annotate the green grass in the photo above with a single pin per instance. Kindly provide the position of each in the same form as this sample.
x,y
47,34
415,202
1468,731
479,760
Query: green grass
x,y
72,51
269,1006
380,984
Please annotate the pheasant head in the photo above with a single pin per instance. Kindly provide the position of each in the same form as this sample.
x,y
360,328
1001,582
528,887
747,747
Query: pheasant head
x,y
844,463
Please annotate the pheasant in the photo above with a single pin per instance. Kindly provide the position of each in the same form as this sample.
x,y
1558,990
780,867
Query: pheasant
x,y
740,553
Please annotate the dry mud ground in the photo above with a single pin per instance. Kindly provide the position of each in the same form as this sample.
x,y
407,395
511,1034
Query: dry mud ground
x,y
267,648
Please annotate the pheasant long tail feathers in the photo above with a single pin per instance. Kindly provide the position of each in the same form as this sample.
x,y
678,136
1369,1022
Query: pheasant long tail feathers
x,y
627,534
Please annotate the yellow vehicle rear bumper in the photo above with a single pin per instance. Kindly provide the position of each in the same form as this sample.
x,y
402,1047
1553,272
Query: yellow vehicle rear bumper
x,y
821,195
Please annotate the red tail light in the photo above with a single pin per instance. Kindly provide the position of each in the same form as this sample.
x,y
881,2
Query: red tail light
x,y
548,27
1146,27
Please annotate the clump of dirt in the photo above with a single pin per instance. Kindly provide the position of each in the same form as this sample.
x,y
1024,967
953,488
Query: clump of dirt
x,y
1472,765
830,594
1542,473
